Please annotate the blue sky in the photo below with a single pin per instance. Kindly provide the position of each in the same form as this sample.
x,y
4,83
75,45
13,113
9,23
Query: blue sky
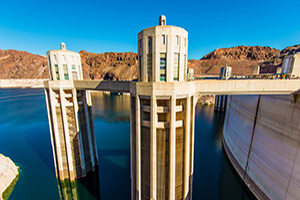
x,y
101,26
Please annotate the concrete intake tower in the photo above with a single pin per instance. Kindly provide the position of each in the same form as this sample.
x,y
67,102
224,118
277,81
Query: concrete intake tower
x,y
162,116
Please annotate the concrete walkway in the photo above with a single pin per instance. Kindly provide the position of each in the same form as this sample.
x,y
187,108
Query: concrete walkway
x,y
8,172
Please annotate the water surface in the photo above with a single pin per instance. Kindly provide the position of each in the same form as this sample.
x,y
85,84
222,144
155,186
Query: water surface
x,y
25,138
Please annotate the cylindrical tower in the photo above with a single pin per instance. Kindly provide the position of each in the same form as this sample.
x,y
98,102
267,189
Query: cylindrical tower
x,y
162,116
162,53
70,117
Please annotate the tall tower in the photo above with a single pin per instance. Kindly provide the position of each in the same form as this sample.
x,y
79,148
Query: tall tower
x,y
162,116
70,117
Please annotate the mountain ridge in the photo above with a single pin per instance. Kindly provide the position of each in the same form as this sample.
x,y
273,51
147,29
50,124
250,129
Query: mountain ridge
x,y
16,64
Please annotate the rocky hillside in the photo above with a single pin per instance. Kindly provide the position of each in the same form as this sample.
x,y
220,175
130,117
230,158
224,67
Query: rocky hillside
x,y
124,66
240,58
256,53
109,66
21,64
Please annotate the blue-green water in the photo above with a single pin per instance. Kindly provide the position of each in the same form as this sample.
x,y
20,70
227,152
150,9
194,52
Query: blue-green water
x,y
25,138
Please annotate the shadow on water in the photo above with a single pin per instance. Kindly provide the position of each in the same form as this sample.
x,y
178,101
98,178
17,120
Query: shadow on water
x,y
115,173
35,139
217,130
231,185
83,188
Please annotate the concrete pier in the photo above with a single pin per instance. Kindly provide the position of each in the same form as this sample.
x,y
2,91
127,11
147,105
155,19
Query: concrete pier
x,y
220,103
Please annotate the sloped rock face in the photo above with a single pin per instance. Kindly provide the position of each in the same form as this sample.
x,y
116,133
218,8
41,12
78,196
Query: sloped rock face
x,y
257,53
21,64
109,66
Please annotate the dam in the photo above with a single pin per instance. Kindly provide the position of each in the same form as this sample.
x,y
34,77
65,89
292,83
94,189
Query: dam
x,y
162,120
261,137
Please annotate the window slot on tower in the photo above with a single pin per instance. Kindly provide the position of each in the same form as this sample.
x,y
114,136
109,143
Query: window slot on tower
x,y
164,39
177,40
176,66
56,72
149,66
140,68
66,76
149,44
163,64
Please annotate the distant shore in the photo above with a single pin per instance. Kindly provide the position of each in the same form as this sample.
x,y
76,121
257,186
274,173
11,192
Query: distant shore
x,y
22,83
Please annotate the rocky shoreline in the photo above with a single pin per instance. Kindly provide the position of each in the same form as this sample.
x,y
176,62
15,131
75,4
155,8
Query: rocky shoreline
x,y
9,174
206,100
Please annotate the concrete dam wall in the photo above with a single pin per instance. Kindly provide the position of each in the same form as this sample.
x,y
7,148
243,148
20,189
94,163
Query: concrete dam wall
x,y
262,139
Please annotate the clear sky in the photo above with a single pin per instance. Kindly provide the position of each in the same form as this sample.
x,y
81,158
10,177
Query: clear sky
x,y
101,26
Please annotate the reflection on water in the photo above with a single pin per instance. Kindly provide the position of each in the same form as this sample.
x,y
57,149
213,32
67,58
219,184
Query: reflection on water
x,y
111,107
82,188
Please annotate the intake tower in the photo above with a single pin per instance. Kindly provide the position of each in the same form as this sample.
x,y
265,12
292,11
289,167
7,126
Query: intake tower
x,y
162,116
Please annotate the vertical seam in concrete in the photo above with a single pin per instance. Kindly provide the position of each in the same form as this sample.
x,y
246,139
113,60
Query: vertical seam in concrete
x,y
186,144
64,133
253,132
88,129
172,147
79,133
52,136
138,148
153,121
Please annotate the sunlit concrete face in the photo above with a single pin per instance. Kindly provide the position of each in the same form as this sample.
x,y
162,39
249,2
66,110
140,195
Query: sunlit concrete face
x,y
64,64
162,116
70,117
162,54
291,65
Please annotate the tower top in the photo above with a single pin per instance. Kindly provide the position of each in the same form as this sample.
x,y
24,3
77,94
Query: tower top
x,y
162,20
63,46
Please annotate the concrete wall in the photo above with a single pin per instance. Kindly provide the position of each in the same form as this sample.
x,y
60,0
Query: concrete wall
x,y
262,139
22,83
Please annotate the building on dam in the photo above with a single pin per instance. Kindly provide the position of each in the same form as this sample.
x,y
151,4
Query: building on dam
x,y
70,117
162,116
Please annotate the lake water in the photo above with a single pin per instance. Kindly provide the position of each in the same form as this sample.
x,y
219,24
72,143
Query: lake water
x,y
25,138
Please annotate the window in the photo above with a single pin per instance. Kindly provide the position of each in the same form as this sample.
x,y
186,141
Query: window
x,y
56,72
176,66
149,44
163,64
149,67
184,65
140,68
54,57
66,76
74,76
79,72
177,39
73,67
164,39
